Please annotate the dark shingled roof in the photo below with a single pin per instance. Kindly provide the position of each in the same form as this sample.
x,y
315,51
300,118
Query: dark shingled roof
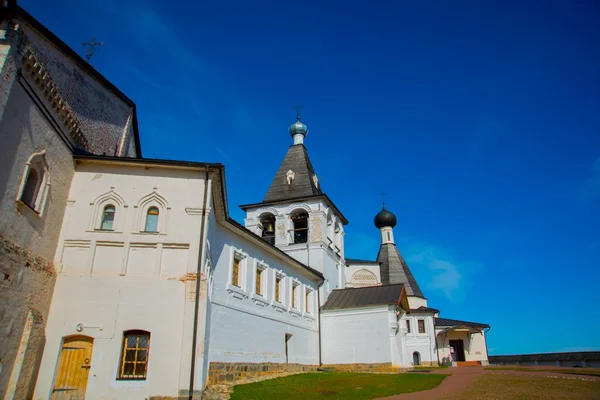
x,y
395,270
454,322
425,310
363,297
303,185
358,261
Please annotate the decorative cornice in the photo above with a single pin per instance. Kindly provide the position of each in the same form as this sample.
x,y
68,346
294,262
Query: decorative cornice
x,y
41,76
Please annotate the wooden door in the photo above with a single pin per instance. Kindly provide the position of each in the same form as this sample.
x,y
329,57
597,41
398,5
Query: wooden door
x,y
73,370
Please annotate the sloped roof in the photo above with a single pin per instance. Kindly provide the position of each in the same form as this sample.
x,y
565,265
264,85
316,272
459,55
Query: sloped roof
x,y
395,270
359,261
455,322
423,309
363,297
303,185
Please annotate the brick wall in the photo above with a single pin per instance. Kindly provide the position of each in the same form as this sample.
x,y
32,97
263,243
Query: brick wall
x,y
375,367
26,286
219,372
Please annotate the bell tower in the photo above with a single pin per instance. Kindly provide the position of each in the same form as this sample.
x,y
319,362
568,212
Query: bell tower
x,y
298,217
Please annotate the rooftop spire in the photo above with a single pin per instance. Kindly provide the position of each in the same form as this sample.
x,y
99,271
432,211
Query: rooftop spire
x,y
298,130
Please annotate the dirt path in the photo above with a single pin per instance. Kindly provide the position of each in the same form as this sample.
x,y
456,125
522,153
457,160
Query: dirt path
x,y
461,377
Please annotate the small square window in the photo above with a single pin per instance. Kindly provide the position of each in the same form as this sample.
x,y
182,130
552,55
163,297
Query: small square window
x,y
421,323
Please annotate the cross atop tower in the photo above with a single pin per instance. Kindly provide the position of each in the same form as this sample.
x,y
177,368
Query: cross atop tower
x,y
382,194
298,107
93,48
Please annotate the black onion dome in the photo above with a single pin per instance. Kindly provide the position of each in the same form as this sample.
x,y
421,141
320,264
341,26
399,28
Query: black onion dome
x,y
385,218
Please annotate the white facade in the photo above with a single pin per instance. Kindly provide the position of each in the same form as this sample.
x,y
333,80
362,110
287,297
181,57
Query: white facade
x,y
324,250
360,336
417,341
113,281
249,324
362,274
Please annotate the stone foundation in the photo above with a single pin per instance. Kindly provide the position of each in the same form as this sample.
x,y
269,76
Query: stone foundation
x,y
220,372
375,367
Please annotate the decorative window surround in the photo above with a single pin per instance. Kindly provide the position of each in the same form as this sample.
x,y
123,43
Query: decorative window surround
x,y
153,199
294,300
235,291
36,162
260,298
308,295
277,303
97,209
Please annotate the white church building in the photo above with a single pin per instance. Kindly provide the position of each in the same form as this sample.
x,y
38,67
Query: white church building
x,y
151,289
157,284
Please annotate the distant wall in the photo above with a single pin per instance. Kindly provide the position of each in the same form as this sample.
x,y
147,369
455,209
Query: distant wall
x,y
572,359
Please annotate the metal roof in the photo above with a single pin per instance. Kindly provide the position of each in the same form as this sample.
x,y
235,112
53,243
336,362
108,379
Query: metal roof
x,y
303,184
455,322
424,310
364,297
395,270
358,261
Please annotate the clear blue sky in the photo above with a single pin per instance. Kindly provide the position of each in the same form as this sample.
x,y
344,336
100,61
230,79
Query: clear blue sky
x,y
480,121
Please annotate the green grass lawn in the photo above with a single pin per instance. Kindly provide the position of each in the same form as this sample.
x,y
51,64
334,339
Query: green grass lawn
x,y
336,385
558,370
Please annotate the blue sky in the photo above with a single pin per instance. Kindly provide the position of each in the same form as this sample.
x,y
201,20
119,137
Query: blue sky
x,y
480,121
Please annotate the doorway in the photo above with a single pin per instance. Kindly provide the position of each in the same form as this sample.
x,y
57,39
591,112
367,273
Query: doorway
x,y
73,369
288,336
416,358
459,350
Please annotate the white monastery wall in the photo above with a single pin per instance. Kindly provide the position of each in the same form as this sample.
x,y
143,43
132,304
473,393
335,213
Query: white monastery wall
x,y
356,336
325,248
423,343
248,327
127,279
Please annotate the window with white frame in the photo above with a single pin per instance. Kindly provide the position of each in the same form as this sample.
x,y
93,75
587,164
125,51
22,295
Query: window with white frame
x,y
279,288
260,279
151,220
408,325
295,291
108,218
237,271
35,183
307,301
421,323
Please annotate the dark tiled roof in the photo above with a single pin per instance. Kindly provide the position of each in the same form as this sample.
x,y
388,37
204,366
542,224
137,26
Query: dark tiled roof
x,y
395,270
455,322
358,261
572,356
363,297
424,309
303,185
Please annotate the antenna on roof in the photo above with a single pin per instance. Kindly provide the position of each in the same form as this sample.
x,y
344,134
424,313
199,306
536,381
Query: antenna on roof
x,y
93,49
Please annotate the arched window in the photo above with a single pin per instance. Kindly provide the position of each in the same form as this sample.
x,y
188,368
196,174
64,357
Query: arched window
x,y
152,220
134,356
416,358
267,221
300,231
32,186
35,183
108,217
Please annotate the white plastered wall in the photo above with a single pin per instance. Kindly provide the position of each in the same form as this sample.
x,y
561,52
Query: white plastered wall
x,y
352,269
360,335
113,281
248,327
423,343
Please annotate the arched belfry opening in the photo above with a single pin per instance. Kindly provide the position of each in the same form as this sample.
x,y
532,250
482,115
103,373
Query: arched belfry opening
x,y
300,226
267,222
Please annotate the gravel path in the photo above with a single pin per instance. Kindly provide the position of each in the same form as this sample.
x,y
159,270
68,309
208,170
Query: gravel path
x,y
461,377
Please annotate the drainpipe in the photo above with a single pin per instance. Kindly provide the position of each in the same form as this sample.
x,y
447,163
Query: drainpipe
x,y
319,311
197,299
